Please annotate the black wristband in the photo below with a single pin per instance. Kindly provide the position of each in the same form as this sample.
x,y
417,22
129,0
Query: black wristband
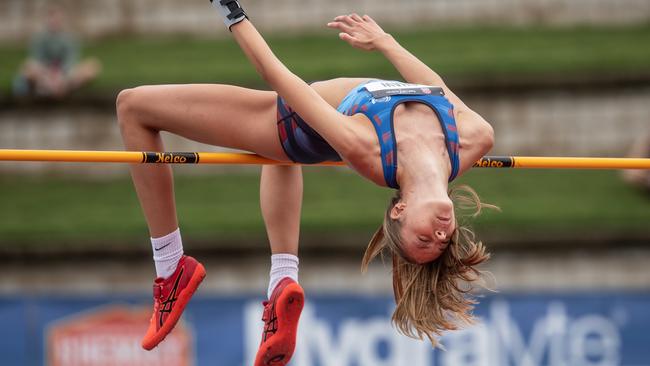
x,y
231,12
236,10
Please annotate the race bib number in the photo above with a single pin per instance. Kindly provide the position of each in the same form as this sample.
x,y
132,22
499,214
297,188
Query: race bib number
x,y
381,89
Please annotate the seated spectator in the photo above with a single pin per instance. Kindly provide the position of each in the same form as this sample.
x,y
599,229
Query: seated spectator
x,y
639,178
52,69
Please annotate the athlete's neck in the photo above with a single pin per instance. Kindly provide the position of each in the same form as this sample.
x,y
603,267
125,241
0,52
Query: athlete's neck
x,y
423,171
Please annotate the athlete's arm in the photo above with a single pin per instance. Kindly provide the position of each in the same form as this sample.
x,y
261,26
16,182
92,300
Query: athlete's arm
x,y
362,32
300,96
476,138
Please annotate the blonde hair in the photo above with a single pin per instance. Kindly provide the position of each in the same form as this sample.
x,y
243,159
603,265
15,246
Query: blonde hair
x,y
433,297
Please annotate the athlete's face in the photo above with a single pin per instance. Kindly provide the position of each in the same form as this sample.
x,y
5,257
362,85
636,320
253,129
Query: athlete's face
x,y
427,228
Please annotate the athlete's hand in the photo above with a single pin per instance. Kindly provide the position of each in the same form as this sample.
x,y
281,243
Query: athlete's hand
x,y
360,32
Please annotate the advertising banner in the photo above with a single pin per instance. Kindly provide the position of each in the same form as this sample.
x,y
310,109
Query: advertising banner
x,y
513,330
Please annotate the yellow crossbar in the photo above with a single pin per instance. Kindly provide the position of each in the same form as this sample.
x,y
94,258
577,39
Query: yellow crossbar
x,y
140,157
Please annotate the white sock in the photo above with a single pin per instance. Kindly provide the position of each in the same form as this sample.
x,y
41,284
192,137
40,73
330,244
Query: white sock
x,y
167,251
282,265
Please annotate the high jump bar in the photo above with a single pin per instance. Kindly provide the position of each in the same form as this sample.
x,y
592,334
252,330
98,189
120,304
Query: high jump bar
x,y
143,157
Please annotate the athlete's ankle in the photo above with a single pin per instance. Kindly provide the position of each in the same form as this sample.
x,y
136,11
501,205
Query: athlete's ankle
x,y
167,252
282,265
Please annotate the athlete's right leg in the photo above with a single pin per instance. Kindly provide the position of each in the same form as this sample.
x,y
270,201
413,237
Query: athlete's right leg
x,y
214,114
281,201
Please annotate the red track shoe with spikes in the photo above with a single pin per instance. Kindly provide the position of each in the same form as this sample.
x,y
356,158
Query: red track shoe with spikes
x,y
170,297
281,315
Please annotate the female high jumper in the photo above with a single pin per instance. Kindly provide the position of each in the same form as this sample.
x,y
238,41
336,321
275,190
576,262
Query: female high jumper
x,y
414,137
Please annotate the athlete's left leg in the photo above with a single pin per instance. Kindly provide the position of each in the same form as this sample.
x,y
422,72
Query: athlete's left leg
x,y
281,201
215,114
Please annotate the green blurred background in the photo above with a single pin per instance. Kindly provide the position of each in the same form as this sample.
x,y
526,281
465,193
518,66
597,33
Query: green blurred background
x,y
220,206
569,83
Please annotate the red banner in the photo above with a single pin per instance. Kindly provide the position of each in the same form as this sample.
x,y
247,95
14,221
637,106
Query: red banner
x,y
111,336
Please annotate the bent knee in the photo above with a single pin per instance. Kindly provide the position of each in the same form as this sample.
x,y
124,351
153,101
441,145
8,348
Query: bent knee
x,y
128,105
122,103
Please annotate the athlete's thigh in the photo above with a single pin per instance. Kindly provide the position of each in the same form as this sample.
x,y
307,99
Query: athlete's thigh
x,y
221,115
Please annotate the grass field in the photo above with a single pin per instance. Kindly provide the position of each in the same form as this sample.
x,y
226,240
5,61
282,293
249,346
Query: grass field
x,y
456,53
224,207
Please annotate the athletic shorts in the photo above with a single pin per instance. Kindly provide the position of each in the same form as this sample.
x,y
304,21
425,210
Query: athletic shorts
x,y
301,143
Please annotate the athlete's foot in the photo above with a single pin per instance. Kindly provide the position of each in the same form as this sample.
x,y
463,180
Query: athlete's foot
x,y
170,297
281,315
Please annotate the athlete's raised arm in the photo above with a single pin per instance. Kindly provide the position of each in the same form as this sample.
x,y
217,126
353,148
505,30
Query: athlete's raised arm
x,y
362,32
300,96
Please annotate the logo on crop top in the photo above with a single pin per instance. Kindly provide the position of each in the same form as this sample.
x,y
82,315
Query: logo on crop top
x,y
380,100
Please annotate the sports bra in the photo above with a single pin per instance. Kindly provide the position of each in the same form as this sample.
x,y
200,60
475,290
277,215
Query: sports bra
x,y
377,100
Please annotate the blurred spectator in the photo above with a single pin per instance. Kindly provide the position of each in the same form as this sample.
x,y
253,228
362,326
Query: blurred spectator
x,y
639,178
52,69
